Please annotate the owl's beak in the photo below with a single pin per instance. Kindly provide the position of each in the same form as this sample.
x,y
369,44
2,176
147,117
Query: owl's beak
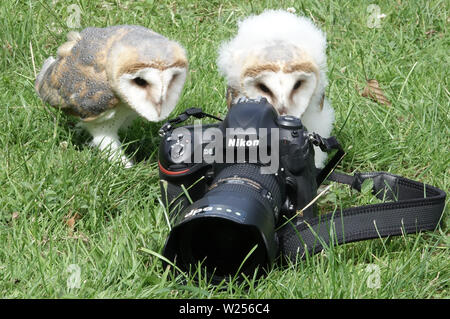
x,y
282,110
158,107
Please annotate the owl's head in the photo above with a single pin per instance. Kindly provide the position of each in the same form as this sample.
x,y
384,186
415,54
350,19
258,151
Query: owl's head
x,y
290,85
279,56
148,74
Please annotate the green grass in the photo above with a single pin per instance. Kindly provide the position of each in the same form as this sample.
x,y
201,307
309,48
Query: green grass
x,y
48,173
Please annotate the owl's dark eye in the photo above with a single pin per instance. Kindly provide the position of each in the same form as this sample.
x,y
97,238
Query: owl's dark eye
x,y
297,84
140,82
174,78
264,88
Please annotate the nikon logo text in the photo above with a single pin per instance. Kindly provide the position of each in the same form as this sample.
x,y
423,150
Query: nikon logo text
x,y
240,142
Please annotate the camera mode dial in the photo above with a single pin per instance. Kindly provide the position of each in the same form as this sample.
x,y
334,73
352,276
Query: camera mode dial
x,y
290,122
178,145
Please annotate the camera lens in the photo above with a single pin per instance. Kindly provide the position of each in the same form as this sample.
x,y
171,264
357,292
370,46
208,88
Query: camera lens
x,y
236,215
221,246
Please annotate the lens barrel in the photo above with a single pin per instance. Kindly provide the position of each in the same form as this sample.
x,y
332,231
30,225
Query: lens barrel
x,y
237,215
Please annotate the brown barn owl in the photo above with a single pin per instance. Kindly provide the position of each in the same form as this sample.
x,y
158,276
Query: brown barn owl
x,y
109,76
281,57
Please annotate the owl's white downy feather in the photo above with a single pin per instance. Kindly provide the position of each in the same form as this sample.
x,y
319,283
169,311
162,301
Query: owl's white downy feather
x,y
282,57
258,32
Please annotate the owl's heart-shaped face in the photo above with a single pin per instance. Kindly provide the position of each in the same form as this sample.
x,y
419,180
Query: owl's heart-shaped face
x,y
282,57
289,92
152,92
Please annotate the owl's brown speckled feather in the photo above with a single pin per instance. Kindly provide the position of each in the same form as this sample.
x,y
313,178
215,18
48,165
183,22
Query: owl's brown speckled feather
x,y
110,76
80,80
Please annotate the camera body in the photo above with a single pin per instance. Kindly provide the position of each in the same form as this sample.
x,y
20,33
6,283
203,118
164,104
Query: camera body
x,y
229,184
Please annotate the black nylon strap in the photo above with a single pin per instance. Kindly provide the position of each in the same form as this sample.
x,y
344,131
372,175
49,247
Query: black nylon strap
x,y
327,145
417,207
193,111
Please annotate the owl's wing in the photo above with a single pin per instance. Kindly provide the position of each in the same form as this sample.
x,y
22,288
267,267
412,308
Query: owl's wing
x,y
73,84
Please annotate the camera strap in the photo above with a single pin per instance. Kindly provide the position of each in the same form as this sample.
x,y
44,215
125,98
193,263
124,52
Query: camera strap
x,y
193,111
327,145
413,207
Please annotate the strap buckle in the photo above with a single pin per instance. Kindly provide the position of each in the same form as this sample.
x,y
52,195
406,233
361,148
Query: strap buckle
x,y
327,145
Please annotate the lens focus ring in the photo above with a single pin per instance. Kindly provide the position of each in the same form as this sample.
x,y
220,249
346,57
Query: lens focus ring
x,y
248,180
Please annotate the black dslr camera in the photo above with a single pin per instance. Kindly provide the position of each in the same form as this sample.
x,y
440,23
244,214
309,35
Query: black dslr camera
x,y
234,189
228,185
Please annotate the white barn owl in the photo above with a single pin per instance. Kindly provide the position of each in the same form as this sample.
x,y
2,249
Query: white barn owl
x,y
109,76
281,56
